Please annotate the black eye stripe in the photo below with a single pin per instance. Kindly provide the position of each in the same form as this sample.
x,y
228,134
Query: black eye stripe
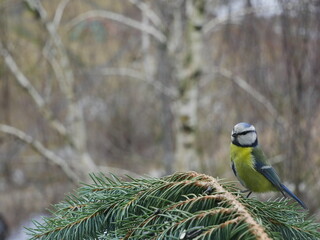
x,y
245,132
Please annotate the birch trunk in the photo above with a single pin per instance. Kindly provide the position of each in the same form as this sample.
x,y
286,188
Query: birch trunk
x,y
164,76
187,156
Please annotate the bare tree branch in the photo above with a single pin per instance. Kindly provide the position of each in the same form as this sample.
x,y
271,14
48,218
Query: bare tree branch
x,y
158,35
76,134
56,22
150,14
218,22
64,75
125,72
59,12
47,50
135,74
253,92
25,84
38,147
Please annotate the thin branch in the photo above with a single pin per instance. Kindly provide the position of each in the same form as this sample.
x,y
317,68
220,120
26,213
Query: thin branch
x,y
57,59
25,84
20,77
135,74
125,72
251,91
47,50
158,35
42,150
65,77
218,22
55,64
146,10
63,70
59,12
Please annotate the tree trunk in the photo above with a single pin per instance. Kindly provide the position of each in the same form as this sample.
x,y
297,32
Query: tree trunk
x,y
164,76
187,156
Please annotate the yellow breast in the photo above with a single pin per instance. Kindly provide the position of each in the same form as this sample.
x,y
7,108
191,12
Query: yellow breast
x,y
244,164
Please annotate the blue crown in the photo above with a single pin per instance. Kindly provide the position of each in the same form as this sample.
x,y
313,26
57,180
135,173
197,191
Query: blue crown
x,y
245,125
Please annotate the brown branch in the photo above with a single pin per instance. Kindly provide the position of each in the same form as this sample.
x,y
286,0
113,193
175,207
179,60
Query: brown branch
x,y
215,23
65,77
135,74
42,150
26,85
60,61
252,92
59,12
218,22
158,35
151,15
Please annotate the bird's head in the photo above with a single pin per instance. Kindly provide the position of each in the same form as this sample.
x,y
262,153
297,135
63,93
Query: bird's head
x,y
244,135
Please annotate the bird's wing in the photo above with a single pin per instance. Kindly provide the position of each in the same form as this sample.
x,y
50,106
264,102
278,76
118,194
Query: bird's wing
x,y
263,167
233,168
235,173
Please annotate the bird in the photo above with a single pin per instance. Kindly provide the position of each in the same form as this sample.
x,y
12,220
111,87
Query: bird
x,y
249,163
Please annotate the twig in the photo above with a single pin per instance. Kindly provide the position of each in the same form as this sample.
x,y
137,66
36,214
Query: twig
x,y
135,74
217,22
253,92
59,12
126,72
38,147
25,84
151,15
118,18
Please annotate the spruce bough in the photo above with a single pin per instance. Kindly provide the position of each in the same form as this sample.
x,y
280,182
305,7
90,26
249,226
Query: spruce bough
x,y
180,206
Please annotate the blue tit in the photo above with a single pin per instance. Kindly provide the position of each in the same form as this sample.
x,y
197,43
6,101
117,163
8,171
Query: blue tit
x,y
250,165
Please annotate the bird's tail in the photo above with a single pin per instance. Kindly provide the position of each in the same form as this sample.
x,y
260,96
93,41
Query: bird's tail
x,y
284,188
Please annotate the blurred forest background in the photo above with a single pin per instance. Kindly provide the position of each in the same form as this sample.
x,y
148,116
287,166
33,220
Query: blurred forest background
x,y
150,87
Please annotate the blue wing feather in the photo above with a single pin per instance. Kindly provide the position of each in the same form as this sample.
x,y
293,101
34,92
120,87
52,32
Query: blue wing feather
x,y
233,169
262,166
284,188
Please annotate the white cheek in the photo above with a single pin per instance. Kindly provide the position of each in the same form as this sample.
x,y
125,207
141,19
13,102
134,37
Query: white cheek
x,y
247,139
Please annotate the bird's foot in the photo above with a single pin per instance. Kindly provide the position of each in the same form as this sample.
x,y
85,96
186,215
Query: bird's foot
x,y
245,191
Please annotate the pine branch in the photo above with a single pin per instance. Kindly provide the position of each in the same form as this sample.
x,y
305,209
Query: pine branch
x,y
181,206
